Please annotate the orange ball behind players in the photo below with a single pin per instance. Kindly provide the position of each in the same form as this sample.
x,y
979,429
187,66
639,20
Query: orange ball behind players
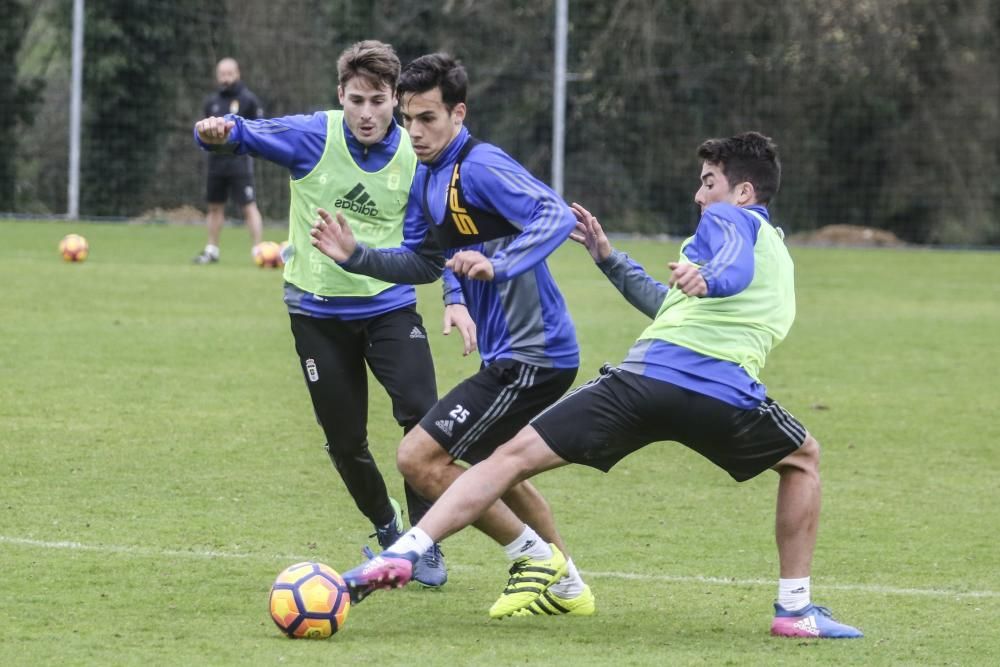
x,y
74,248
267,255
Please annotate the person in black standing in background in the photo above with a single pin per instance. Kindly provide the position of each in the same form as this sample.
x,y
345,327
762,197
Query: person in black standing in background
x,y
230,175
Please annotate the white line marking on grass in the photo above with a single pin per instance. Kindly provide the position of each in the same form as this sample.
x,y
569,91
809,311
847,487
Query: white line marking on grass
x,y
865,588
138,551
630,576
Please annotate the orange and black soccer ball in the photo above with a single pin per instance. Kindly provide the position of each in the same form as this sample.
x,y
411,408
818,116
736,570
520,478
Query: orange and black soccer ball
x,y
267,255
74,248
309,601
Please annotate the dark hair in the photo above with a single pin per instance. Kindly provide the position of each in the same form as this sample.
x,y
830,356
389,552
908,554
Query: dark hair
x,y
748,157
435,70
373,61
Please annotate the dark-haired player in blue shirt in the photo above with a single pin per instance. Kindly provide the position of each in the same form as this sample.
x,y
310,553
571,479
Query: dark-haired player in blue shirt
x,y
496,224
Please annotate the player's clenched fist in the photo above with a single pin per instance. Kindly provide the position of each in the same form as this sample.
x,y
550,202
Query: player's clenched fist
x,y
687,278
214,130
471,263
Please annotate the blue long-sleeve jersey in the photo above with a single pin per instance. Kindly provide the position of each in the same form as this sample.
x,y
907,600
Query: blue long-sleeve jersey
x,y
297,144
520,314
723,249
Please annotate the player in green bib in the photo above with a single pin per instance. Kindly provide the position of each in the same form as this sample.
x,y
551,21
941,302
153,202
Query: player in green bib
x,y
691,377
357,161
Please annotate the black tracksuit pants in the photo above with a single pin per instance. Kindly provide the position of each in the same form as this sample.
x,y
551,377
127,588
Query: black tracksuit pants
x,y
333,354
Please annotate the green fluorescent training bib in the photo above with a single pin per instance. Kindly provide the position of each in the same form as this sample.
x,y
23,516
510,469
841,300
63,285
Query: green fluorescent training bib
x,y
373,203
741,328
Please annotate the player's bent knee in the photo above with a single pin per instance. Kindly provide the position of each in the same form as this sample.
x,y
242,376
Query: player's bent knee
x,y
810,450
348,448
805,458
408,460
419,458
352,457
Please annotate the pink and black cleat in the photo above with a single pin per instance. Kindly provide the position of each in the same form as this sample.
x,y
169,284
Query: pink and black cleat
x,y
811,622
387,570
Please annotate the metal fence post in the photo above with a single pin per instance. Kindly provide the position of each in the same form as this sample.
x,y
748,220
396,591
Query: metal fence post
x,y
559,96
75,104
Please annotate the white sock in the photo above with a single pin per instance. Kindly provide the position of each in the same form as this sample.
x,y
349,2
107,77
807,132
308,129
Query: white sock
x,y
571,585
212,250
528,544
414,540
793,594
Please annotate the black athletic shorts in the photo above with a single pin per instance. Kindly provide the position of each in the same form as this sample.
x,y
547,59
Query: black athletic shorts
x,y
488,409
618,413
237,186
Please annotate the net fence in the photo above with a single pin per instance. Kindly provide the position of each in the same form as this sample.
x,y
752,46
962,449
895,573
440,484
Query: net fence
x,y
885,113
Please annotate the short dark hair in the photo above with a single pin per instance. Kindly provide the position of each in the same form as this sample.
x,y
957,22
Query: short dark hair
x,y
375,62
746,158
435,70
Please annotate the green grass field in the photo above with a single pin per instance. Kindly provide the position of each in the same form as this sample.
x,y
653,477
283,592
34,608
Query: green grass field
x,y
160,464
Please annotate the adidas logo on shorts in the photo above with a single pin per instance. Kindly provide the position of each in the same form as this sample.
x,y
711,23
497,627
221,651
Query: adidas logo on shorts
x,y
417,333
445,425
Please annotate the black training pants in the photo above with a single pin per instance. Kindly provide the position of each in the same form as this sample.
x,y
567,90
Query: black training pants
x,y
333,354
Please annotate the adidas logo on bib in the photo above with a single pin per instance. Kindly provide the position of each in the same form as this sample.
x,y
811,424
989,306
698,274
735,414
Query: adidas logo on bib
x,y
358,201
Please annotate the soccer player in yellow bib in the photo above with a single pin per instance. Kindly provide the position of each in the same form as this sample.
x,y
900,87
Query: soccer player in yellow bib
x,y
692,377
360,162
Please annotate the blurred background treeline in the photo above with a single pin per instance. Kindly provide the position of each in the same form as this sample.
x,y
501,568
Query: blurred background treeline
x,y
886,110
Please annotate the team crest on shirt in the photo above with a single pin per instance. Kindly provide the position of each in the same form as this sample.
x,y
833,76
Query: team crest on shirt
x,y
234,106
392,181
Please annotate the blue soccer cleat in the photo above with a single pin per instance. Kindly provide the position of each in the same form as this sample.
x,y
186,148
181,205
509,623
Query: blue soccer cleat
x,y
387,570
429,570
812,622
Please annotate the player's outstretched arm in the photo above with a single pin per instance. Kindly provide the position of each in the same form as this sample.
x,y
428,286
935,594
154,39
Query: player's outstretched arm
x,y
590,234
214,130
628,277
333,236
419,260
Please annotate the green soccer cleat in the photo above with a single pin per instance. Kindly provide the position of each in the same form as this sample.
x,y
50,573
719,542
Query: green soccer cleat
x,y
529,578
550,604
